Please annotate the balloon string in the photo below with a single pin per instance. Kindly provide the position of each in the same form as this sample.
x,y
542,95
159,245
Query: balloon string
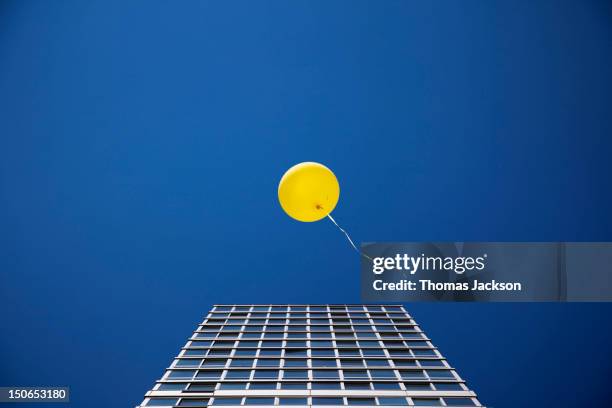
x,y
348,237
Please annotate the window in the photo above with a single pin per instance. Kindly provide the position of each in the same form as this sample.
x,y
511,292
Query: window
x,y
226,401
193,402
412,374
322,352
295,353
377,362
268,362
242,362
266,374
262,386
325,374
448,386
233,386
392,401
386,386
382,374
361,401
160,402
215,362
245,353
356,374
181,374
172,386
293,401
238,374
188,362
326,386
296,363
327,401
356,386
440,374
459,402
270,352
417,387
293,386
258,401
300,374
324,363
349,352
426,401
202,387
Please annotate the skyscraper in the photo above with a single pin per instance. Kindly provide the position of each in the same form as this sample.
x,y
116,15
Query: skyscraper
x,y
299,355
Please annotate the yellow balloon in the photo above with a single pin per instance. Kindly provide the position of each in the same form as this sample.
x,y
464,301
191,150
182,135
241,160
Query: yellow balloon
x,y
308,191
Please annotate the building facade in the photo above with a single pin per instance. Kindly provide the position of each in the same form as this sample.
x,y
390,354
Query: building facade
x,y
302,355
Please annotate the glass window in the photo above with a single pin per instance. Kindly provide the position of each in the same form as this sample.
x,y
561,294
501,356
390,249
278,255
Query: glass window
x,y
293,401
386,386
319,362
321,343
326,386
295,353
271,343
301,374
359,374
377,362
382,374
448,386
374,353
262,386
432,363
246,344
226,401
268,362
273,336
242,362
215,362
426,402
392,401
266,374
259,401
172,386
322,374
424,353
233,386
404,363
322,352
251,335
188,362
246,353
193,353
193,402
411,374
459,402
220,352
361,401
199,343
157,402
327,401
356,385
293,386
181,373
296,363
270,352
417,387
202,387
238,374
349,352
352,362
440,374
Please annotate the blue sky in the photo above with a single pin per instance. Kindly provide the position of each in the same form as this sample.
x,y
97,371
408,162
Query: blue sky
x,y
141,145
